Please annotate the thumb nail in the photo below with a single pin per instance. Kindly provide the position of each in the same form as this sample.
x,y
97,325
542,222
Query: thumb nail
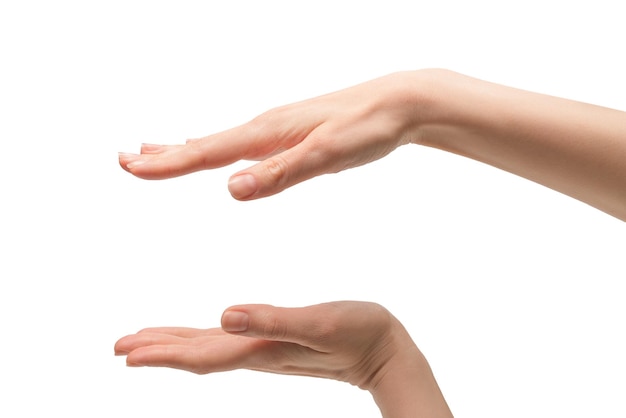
x,y
242,186
235,321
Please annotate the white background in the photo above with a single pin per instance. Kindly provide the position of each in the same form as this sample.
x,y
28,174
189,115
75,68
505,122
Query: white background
x,y
513,291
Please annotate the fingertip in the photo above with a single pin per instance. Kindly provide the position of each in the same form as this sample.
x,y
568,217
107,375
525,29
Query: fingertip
x,y
128,160
121,348
242,186
140,357
125,157
235,321
133,364
134,164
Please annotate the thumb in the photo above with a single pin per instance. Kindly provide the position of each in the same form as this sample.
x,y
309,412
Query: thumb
x,y
294,325
279,172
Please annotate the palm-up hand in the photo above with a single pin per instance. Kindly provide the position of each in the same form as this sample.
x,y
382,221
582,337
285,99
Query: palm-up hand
x,y
357,342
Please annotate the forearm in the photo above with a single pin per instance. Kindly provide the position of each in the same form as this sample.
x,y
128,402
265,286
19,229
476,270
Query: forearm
x,y
575,148
408,389
403,384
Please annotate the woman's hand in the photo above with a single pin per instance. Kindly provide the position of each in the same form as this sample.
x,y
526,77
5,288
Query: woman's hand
x,y
357,342
576,148
296,142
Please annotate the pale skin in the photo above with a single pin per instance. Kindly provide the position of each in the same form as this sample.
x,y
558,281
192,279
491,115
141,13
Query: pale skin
x,y
575,148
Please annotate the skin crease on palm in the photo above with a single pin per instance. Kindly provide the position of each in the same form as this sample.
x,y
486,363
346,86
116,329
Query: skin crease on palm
x,y
528,134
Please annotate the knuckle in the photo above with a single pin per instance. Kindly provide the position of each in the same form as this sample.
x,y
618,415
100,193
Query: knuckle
x,y
266,119
273,329
276,170
259,123
331,326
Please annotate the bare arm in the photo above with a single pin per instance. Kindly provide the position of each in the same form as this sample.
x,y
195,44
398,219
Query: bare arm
x,y
575,148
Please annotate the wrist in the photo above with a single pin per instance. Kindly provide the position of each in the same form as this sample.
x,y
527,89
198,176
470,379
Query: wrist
x,y
404,385
424,101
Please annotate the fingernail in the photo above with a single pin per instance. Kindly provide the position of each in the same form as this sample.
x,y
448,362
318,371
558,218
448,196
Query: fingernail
x,y
130,160
242,186
135,163
150,147
129,364
235,321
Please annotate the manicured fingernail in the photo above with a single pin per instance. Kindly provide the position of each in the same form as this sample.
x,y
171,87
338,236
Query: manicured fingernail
x,y
242,186
135,163
128,364
235,321
150,147
130,160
